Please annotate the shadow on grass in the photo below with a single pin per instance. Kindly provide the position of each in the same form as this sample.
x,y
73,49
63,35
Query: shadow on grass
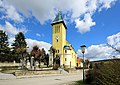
x,y
80,83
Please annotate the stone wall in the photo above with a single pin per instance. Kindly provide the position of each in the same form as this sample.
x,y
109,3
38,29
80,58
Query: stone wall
x,y
9,64
25,73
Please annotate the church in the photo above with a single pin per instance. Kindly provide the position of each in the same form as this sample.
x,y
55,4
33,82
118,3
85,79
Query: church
x,y
63,49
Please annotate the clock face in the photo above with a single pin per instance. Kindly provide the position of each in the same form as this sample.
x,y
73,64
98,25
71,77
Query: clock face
x,y
57,37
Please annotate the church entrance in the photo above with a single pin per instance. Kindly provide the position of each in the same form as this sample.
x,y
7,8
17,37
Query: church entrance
x,y
57,60
77,64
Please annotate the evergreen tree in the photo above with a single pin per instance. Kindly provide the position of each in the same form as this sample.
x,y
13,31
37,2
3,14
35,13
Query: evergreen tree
x,y
4,49
19,41
19,46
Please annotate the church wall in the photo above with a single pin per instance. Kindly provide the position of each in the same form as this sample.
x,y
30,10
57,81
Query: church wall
x,y
73,58
59,41
58,45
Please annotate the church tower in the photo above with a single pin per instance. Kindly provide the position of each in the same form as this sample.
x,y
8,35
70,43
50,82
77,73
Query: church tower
x,y
65,55
59,37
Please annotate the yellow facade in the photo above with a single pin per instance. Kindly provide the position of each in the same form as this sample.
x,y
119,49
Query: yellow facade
x,y
58,45
70,56
63,49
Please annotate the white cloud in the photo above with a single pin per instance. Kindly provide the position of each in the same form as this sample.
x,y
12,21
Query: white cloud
x,y
11,40
11,31
85,24
9,12
103,51
44,10
40,35
106,4
92,6
114,40
40,44
98,52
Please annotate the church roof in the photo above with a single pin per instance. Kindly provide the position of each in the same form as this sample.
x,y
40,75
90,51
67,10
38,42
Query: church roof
x,y
58,19
68,46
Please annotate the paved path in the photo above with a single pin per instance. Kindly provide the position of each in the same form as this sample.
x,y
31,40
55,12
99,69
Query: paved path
x,y
6,76
48,79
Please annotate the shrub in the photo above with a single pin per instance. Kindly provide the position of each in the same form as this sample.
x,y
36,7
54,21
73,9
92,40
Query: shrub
x,y
107,73
89,76
55,67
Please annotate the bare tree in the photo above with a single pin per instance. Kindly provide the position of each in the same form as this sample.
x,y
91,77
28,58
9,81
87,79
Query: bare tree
x,y
37,54
113,48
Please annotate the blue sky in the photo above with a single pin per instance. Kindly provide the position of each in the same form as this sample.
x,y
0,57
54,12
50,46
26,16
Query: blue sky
x,y
90,22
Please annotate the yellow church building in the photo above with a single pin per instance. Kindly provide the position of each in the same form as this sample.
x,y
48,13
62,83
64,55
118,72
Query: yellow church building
x,y
63,49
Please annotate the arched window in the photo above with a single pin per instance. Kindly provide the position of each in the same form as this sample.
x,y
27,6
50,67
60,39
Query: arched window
x,y
65,51
57,29
65,59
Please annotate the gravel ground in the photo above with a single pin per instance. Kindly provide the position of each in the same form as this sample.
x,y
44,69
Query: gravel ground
x,y
46,79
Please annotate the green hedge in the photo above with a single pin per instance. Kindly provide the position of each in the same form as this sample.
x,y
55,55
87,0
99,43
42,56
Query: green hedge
x,y
104,74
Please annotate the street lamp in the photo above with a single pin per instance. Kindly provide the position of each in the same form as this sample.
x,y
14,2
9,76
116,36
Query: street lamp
x,y
83,51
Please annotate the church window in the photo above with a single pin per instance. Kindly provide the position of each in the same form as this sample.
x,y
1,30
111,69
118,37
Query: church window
x,y
57,29
58,51
65,51
75,56
65,59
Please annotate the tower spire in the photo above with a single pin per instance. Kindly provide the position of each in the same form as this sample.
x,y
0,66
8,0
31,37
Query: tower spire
x,y
58,17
